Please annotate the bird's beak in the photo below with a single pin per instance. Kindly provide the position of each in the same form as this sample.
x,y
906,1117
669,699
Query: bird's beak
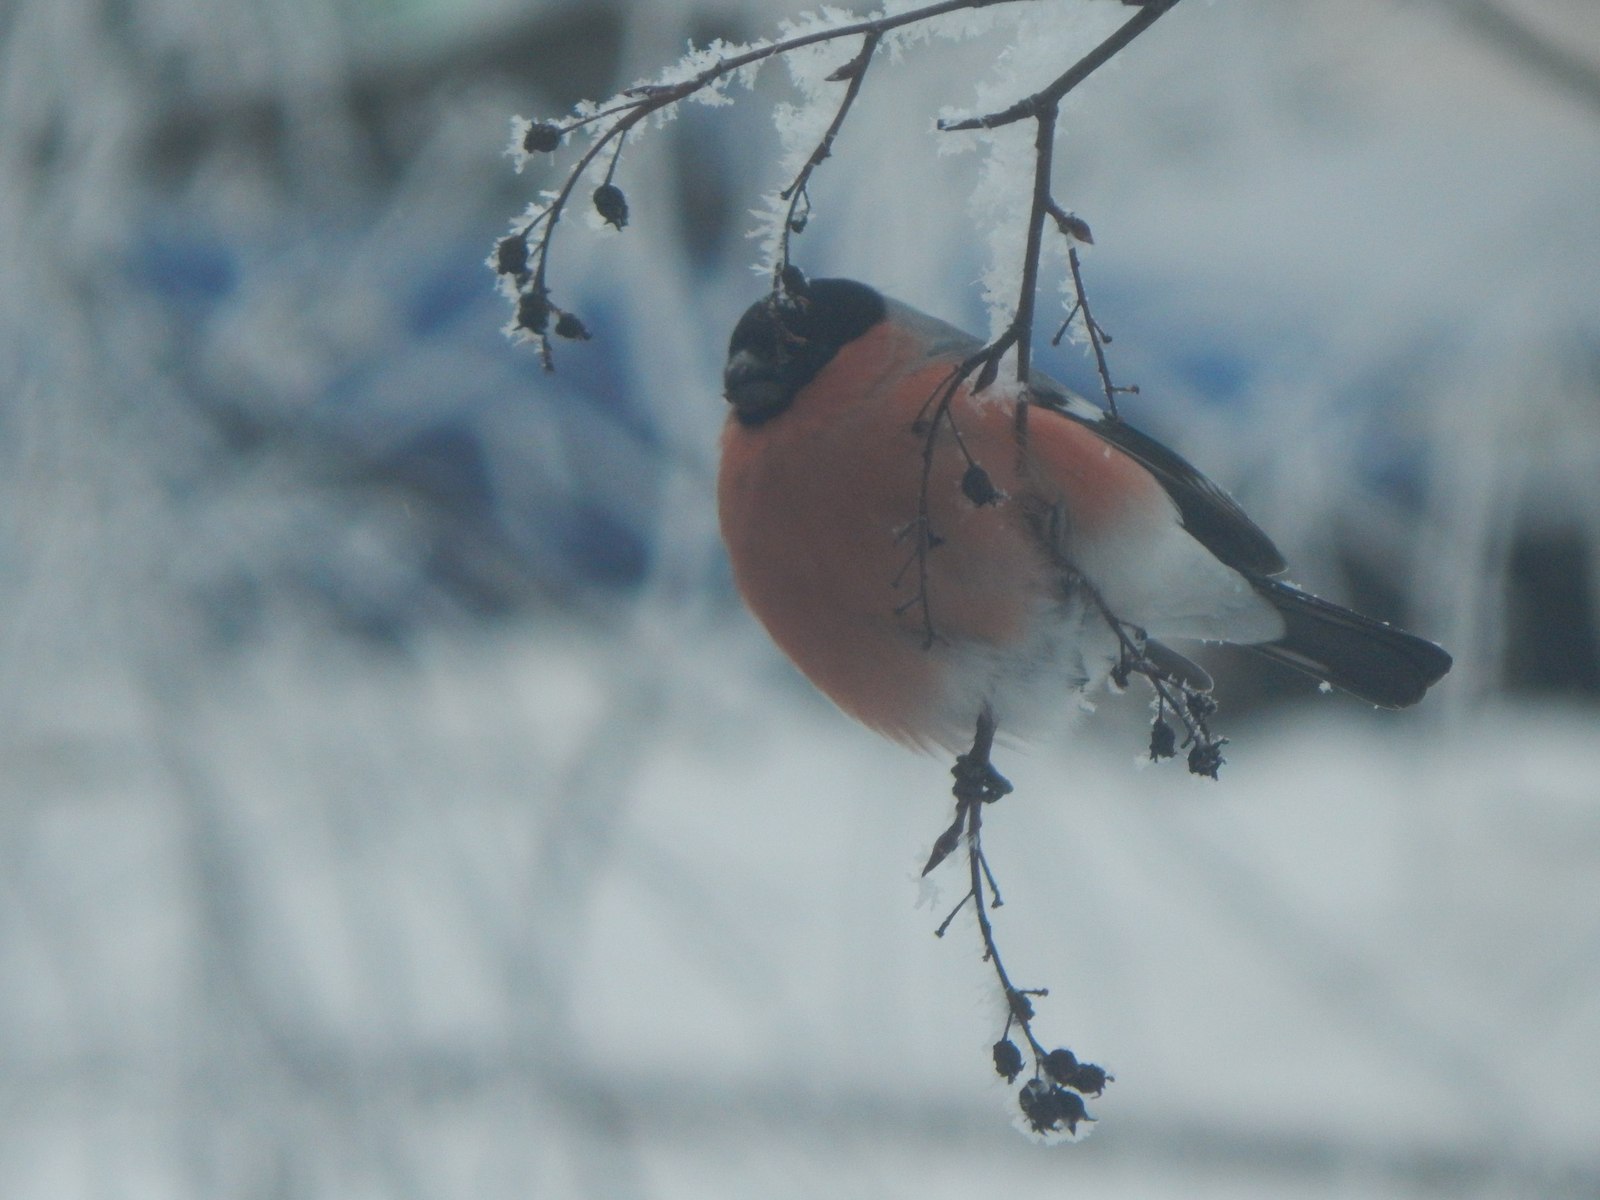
x,y
751,383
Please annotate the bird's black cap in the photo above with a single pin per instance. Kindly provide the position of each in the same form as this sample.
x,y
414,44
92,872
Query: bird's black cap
x,y
786,338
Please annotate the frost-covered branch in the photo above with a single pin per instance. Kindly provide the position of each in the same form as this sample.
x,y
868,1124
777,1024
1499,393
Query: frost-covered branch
x,y
522,258
1052,1099
523,265
794,220
1075,230
1050,97
1043,107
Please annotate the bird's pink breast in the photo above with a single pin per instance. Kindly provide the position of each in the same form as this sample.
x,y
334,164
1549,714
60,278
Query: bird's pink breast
x,y
819,508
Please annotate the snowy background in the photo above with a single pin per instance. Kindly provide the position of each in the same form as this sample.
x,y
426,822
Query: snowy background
x,y
396,802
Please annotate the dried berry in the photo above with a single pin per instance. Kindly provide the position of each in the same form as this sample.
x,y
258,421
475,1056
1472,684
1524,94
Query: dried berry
x,y
511,255
1007,1059
1048,1107
1076,228
611,204
568,326
1061,1065
533,312
977,487
1021,1006
1088,1079
793,280
1205,758
1163,740
541,138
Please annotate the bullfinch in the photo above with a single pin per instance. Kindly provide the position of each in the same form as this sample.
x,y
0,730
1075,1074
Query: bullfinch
x,y
921,596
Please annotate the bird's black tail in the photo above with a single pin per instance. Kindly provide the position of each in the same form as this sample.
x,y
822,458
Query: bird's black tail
x,y
1381,664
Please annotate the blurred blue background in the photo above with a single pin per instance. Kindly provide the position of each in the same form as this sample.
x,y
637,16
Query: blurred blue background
x,y
397,802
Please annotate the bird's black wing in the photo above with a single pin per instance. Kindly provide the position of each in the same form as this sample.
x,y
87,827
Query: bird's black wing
x,y
1207,512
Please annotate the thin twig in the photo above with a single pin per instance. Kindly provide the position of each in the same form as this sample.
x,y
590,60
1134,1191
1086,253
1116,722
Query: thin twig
x,y
935,413
1044,107
855,71
1032,106
1191,706
1043,158
978,783
991,950
640,102
1097,336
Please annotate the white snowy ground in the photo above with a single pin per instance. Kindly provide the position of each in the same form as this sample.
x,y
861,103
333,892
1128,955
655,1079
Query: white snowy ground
x,y
552,916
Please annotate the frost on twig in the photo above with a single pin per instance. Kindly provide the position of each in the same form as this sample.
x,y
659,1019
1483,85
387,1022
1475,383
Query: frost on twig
x,y
828,56
522,258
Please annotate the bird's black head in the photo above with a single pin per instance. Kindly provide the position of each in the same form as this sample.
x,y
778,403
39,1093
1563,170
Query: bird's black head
x,y
784,339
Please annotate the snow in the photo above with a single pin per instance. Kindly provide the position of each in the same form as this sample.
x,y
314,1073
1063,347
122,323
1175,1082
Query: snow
x,y
1368,939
